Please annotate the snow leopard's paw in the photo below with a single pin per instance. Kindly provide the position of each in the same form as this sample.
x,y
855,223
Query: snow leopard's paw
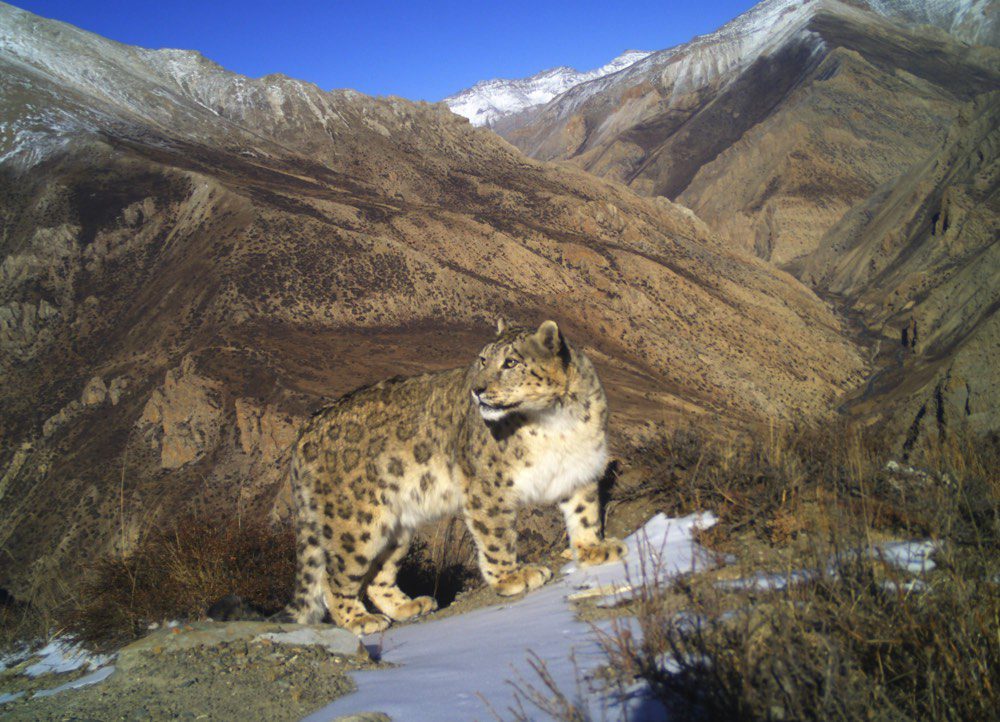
x,y
608,550
522,579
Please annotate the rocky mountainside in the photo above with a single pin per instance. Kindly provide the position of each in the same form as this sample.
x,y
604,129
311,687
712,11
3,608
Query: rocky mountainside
x,y
772,127
920,263
489,100
192,261
830,139
733,47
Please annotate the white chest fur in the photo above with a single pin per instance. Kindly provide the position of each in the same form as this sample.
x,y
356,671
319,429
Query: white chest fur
x,y
564,455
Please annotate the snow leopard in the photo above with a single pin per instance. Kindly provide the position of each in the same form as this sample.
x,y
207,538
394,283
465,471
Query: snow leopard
x,y
524,423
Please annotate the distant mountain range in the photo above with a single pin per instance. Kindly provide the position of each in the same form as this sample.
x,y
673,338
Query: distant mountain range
x,y
792,217
739,42
489,100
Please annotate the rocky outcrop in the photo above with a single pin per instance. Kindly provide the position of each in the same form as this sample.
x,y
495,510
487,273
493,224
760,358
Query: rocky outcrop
x,y
95,392
183,416
264,430
23,326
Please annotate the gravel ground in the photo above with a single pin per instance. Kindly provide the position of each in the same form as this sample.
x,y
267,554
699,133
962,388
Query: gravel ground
x,y
238,680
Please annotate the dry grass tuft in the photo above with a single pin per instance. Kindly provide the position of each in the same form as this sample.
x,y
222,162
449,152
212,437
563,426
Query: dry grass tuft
x,y
545,698
176,573
858,640
20,622
441,563
854,639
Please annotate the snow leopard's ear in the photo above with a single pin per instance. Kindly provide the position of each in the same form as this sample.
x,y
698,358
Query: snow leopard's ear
x,y
550,338
501,326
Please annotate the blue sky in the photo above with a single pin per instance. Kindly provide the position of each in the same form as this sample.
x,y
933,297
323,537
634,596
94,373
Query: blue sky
x,y
421,51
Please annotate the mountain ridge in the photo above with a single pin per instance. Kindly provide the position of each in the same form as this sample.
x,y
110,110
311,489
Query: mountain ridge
x,y
782,130
752,33
488,101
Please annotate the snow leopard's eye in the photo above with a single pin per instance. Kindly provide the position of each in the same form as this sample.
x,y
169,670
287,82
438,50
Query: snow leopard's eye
x,y
482,360
510,362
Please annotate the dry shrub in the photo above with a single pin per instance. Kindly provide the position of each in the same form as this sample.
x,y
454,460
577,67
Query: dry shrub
x,y
781,482
441,563
858,639
20,622
543,697
178,572
852,645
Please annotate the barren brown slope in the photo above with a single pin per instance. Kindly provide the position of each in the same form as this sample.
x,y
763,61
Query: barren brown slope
x,y
770,138
920,264
880,98
193,260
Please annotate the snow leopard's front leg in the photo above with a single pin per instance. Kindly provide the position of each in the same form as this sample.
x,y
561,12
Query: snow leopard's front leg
x,y
582,512
492,525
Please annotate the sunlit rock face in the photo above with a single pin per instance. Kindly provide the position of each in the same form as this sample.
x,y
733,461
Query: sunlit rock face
x,y
774,126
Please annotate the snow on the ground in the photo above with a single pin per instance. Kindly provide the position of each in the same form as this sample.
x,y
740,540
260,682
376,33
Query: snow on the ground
x,y
93,678
489,100
465,667
446,668
13,658
913,557
60,656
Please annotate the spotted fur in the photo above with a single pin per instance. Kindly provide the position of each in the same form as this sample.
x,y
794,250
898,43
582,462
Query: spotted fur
x,y
525,423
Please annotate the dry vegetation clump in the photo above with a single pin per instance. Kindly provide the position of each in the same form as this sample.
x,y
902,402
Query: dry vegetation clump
x,y
20,622
857,638
440,563
178,572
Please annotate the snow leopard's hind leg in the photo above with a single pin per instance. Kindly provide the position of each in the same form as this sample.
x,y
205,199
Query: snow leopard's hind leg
x,y
384,593
308,605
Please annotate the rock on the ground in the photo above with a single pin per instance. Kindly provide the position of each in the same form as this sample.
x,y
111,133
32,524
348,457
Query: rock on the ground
x,y
210,634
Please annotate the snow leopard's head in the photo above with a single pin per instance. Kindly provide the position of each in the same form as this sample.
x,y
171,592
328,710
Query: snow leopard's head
x,y
523,370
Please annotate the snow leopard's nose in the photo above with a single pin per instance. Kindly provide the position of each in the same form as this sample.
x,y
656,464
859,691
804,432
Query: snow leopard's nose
x,y
478,391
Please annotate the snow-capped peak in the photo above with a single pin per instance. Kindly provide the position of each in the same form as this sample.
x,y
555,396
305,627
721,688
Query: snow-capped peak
x,y
736,44
489,100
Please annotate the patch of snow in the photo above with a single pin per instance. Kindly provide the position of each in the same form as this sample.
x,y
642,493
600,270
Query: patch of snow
x,y
489,100
60,656
443,666
912,585
93,678
10,697
765,582
906,470
912,556
14,657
